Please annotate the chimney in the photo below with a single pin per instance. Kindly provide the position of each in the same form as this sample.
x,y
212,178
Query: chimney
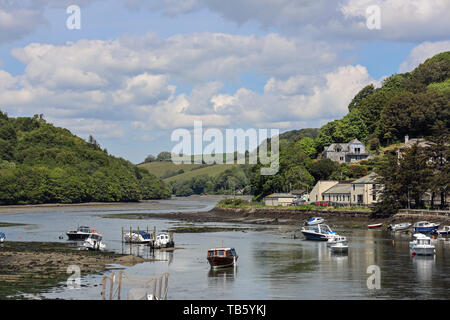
x,y
406,138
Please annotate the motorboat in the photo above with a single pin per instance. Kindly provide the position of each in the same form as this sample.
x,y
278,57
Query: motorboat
x,y
2,237
94,242
337,239
422,245
399,226
445,231
81,233
340,247
137,237
163,240
320,232
375,225
425,226
222,257
314,221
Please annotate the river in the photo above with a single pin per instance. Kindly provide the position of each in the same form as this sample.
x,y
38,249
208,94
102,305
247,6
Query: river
x,y
272,264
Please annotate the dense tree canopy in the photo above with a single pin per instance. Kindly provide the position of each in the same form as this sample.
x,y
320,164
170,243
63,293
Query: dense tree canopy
x,y
40,163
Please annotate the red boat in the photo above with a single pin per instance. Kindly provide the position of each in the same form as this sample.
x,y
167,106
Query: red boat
x,y
222,257
374,226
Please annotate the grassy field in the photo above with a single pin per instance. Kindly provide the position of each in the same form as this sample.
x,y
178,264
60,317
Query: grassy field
x,y
168,171
212,171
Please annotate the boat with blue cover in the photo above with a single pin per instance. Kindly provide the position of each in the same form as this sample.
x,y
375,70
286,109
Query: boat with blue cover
x,y
320,232
425,226
2,237
138,237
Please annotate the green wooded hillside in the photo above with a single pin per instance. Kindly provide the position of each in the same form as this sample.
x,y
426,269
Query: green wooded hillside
x,y
40,163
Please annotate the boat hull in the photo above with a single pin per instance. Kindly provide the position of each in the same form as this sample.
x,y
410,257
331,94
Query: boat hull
x,y
424,251
77,236
221,262
315,236
425,229
375,226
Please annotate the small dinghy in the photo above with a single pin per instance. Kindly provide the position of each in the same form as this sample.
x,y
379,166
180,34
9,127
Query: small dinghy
x,y
375,225
314,221
2,237
399,226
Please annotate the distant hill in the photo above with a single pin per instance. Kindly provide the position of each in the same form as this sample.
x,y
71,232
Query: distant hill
x,y
40,163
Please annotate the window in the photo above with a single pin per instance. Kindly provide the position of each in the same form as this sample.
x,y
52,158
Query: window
x,y
353,188
374,197
341,158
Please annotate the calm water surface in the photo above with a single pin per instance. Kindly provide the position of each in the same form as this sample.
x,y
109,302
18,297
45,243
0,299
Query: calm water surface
x,y
272,264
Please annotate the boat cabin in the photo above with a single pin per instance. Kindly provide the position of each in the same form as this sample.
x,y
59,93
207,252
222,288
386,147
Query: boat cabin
x,y
222,252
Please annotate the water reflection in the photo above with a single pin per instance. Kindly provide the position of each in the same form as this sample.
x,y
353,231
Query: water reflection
x,y
222,278
162,255
424,266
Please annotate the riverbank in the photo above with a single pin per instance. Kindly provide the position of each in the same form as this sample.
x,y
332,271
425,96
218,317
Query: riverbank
x,y
353,218
34,267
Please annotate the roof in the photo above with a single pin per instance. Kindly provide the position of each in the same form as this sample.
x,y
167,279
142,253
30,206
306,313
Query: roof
x,y
370,178
280,195
339,188
294,192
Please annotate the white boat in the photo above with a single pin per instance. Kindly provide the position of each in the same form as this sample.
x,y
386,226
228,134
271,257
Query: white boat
x,y
422,245
424,226
163,241
314,221
320,232
399,226
2,237
337,239
94,242
340,247
137,237
445,231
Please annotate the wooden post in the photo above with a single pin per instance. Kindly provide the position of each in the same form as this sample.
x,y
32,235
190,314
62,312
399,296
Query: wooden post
x,y
103,287
112,286
120,284
122,234
154,232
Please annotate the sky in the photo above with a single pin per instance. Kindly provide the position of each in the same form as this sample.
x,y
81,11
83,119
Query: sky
x,y
136,70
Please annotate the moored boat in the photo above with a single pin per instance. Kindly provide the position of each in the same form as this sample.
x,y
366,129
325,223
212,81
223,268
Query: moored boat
x,y
94,242
445,231
340,247
222,257
137,237
375,225
399,226
422,245
81,233
336,239
425,226
164,240
314,221
2,237
320,232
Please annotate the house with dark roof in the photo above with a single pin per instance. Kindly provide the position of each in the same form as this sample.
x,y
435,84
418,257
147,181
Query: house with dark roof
x,y
352,151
